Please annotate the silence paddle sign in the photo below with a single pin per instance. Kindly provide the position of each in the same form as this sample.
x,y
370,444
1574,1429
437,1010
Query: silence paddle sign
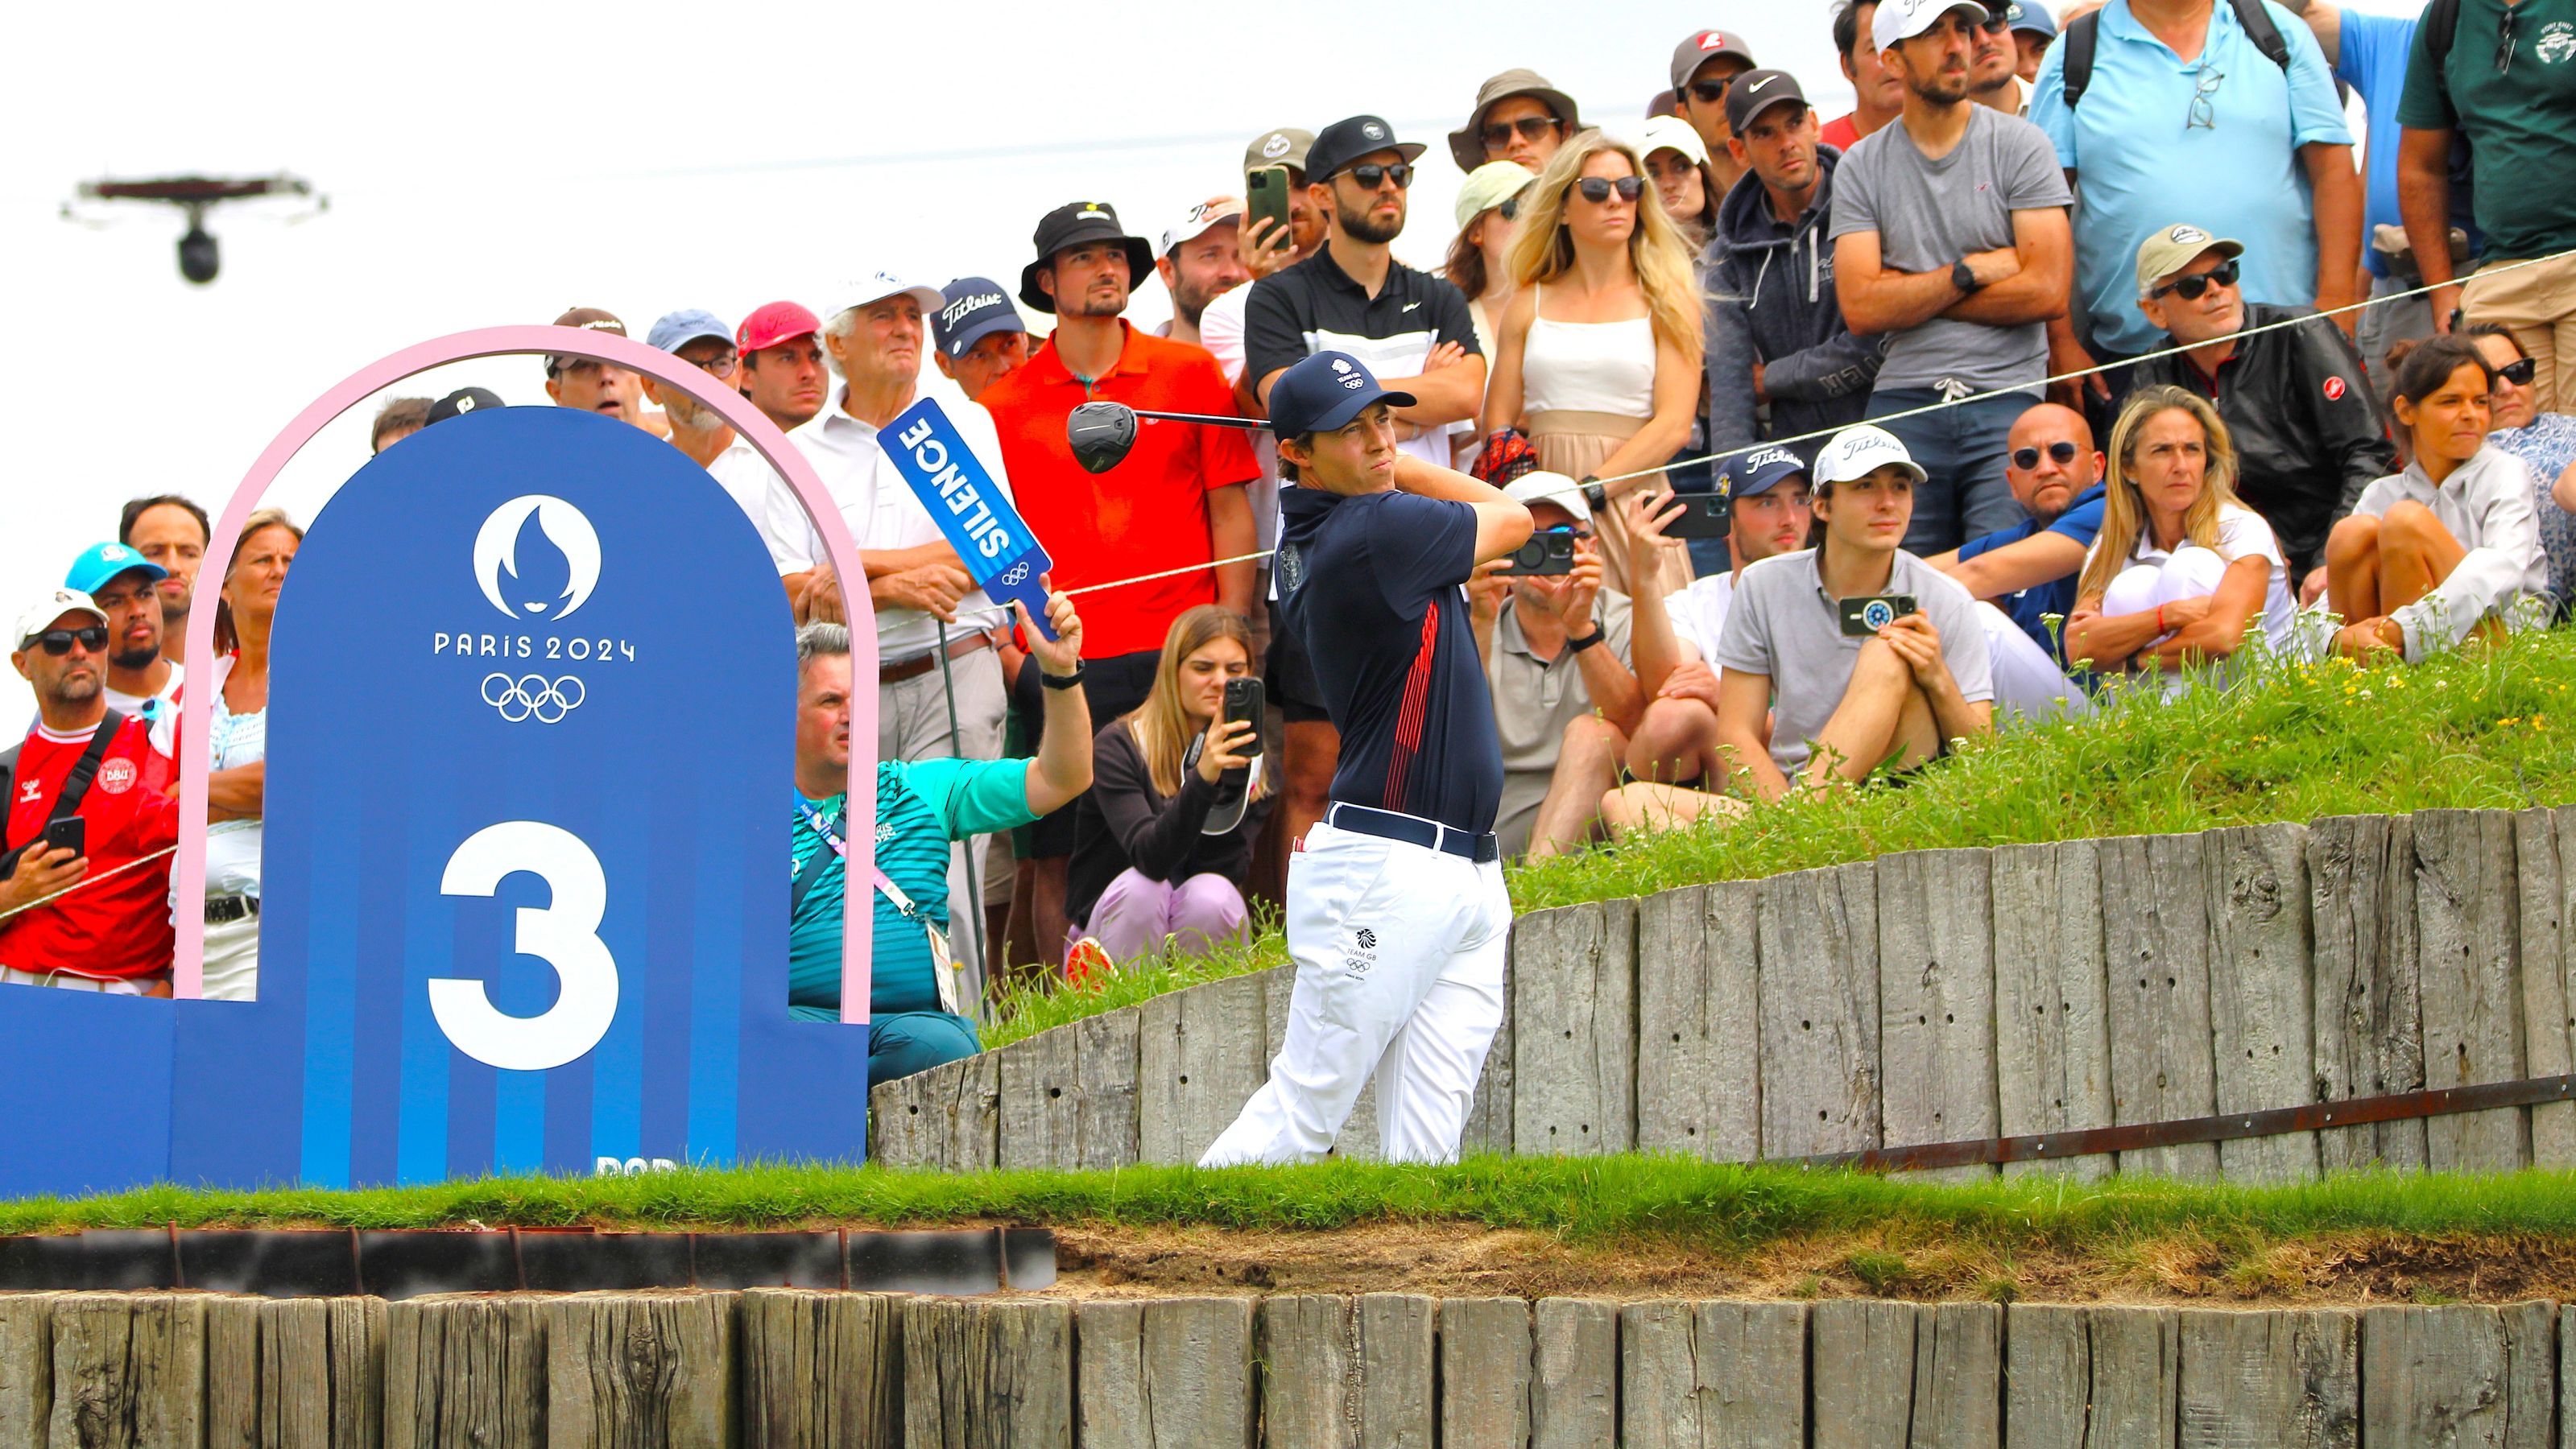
x,y
1000,553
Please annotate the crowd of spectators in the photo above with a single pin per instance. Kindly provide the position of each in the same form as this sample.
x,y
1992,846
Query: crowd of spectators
x,y
1849,440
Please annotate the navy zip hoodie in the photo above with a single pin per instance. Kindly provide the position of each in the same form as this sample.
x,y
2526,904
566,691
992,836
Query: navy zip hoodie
x,y
1771,300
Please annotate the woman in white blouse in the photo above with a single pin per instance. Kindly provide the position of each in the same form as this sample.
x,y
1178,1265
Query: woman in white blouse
x,y
236,791
2181,570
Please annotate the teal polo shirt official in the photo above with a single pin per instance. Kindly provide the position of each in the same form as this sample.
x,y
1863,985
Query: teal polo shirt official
x,y
2142,165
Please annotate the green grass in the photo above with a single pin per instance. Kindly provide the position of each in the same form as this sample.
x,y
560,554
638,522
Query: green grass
x,y
2493,729
1027,1009
1615,1200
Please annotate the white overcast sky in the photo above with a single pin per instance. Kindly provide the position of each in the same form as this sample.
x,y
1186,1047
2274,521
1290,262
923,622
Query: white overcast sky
x,y
492,164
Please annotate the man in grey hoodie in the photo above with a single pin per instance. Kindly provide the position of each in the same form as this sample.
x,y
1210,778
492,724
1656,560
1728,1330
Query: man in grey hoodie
x,y
1775,326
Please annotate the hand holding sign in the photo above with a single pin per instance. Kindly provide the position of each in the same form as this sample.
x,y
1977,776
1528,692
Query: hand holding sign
x,y
1058,650
974,513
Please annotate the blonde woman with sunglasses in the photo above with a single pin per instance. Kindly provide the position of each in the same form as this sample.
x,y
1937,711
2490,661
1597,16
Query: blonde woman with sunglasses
x,y
1600,348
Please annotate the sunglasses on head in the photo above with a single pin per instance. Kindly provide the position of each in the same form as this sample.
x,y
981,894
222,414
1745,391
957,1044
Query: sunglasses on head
x,y
59,641
1597,189
2028,458
1371,175
1498,134
2519,373
2191,288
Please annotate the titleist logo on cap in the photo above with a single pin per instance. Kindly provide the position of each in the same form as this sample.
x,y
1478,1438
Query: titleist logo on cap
x,y
972,302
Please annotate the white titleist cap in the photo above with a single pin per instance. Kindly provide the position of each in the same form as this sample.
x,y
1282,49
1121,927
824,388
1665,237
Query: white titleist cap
x,y
1855,453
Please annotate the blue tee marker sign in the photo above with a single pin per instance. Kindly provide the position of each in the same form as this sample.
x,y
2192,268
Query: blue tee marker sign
x,y
1001,555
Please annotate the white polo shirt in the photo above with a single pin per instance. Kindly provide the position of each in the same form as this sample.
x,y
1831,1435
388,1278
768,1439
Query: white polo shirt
x,y
881,512
764,498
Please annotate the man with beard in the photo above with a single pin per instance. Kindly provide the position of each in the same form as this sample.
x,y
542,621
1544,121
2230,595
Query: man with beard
x,y
703,341
1413,332
141,684
1994,69
1202,260
1950,237
170,531
1176,500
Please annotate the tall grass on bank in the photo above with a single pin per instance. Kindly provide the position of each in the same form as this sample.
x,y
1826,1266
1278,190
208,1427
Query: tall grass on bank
x,y
2492,728
1581,1200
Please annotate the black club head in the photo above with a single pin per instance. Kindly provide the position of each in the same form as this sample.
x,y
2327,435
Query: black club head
x,y
1101,433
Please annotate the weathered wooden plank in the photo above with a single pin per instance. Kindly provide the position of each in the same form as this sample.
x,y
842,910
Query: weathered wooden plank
x,y
1698,1025
2048,1368
2469,932
1105,1063
898,1125
1037,1115
1862,1372
1342,1373
465,1373
1936,1000
2369,1014
1199,1059
295,1373
2100,1378
1484,1373
129,1369
233,1375
1712,1373
1958,1376
2544,849
1574,1066
1819,1011
26,1367
2052,1041
2278,1378
1358,1140
820,1370
2262,1017
2467,1374
947,1118
2155,945
1574,1373
1165,1373
986,1374
636,1369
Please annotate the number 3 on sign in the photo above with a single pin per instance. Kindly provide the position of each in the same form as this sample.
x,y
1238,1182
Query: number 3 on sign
x,y
563,934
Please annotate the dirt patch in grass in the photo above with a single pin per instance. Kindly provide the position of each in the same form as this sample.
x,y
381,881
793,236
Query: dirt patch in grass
x,y
1458,1260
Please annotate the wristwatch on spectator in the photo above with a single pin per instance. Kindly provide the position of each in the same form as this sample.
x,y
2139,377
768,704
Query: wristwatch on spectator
x,y
1577,646
1595,497
1063,681
1963,276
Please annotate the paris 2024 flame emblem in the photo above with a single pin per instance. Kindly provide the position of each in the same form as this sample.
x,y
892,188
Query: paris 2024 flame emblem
x,y
536,558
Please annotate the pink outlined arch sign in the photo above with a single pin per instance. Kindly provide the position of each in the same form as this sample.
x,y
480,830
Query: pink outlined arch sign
x,y
189,867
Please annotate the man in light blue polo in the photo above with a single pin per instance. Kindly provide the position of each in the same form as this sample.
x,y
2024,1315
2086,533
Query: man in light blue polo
x,y
2181,101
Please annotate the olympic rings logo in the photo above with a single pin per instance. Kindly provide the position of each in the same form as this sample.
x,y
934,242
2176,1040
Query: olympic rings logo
x,y
1013,575
534,697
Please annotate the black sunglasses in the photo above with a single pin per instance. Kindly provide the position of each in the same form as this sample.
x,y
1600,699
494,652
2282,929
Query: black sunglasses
x,y
2190,288
59,641
1511,207
1371,175
1498,134
2505,40
1710,92
2519,373
1597,189
2028,458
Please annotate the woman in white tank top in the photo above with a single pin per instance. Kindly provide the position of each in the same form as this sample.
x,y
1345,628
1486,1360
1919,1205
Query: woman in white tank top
x,y
1599,353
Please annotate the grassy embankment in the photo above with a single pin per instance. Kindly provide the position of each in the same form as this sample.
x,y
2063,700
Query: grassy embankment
x,y
2495,729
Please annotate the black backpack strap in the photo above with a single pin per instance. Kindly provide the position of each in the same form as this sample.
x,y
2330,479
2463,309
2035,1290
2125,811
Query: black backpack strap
x,y
2441,25
2080,37
820,861
75,785
8,767
2259,28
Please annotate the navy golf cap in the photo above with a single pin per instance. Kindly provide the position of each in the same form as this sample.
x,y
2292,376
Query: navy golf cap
x,y
1323,393
977,307
1759,471
463,400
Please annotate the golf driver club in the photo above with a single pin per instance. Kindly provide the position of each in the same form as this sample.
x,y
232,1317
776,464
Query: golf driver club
x,y
1102,432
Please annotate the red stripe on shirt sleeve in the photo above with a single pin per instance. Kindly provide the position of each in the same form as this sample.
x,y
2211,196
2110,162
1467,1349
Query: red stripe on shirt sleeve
x,y
1408,723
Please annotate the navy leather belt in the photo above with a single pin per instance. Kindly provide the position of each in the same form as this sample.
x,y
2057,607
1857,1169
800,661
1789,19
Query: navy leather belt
x,y
1414,830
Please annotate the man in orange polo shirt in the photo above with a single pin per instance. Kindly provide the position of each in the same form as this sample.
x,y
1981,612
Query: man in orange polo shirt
x,y
1177,499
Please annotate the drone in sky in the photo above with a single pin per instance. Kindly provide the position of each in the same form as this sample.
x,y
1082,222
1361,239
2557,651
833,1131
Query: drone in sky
x,y
199,256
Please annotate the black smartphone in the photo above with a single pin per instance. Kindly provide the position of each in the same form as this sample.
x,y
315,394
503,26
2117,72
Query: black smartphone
x,y
1551,552
1871,613
69,833
1265,193
1243,702
1703,515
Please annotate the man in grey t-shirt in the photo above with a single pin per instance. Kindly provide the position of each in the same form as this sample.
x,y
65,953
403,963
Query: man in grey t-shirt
x,y
1950,233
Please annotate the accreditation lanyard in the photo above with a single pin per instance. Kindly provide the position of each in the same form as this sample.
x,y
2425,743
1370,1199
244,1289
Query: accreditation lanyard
x,y
943,965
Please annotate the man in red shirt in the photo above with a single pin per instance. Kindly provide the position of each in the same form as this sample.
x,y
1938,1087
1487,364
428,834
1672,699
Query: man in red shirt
x,y
1877,92
113,934
1178,498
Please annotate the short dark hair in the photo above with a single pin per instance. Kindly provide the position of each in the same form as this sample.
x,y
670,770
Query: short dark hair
x,y
410,414
1847,25
141,506
2430,363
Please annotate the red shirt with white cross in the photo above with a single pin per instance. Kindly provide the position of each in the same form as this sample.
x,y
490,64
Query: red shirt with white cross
x,y
119,927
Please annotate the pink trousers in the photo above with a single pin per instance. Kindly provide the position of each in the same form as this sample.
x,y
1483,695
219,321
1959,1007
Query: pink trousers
x,y
1135,915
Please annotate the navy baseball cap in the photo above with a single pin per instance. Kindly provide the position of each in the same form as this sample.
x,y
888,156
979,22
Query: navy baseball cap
x,y
1346,141
1324,393
463,400
2032,17
1759,471
676,330
103,561
977,307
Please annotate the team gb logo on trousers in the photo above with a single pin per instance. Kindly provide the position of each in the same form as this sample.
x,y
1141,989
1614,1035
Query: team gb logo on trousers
x,y
536,557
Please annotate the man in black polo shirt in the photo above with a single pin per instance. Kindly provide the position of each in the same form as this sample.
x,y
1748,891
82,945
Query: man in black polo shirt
x,y
1409,327
1396,910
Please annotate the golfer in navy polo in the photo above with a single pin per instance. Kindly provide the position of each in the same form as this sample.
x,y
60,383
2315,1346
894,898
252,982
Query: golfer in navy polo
x,y
1396,909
